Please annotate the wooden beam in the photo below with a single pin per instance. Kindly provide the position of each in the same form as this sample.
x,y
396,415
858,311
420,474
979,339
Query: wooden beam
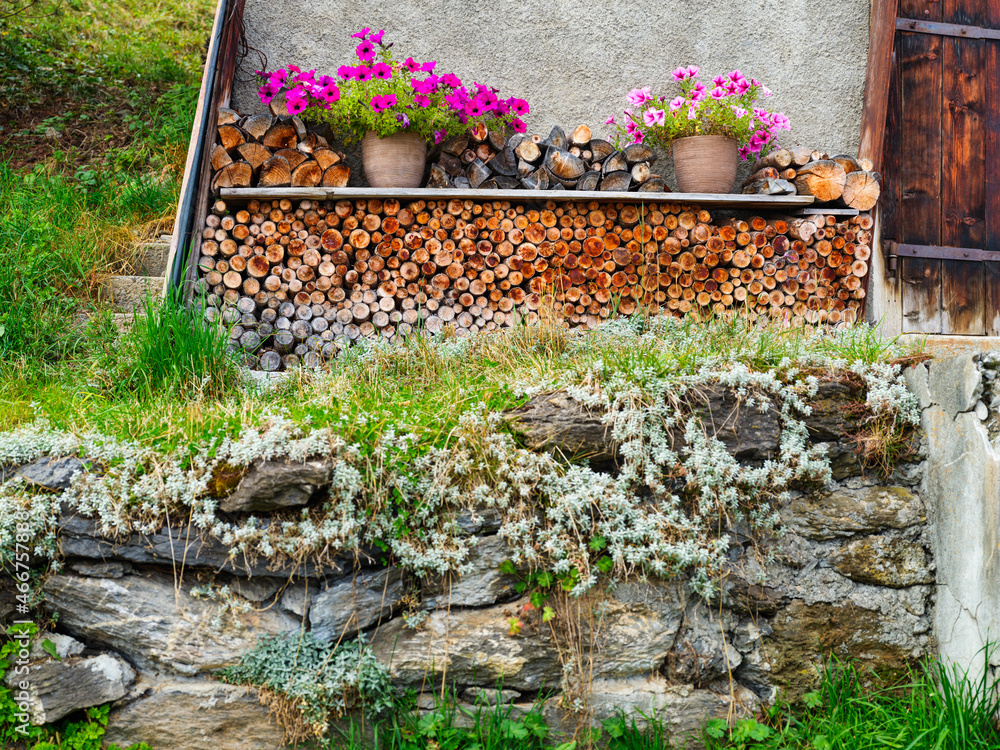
x,y
732,200
881,32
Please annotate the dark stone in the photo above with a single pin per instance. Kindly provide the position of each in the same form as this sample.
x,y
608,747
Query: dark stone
x,y
557,421
274,485
482,585
53,474
829,420
100,569
702,652
750,598
81,537
356,603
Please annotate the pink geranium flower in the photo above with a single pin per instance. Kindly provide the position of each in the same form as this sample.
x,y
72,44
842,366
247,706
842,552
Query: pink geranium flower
x,y
654,117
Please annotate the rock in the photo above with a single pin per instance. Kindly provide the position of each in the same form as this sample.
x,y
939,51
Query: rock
x,y
845,512
916,381
257,589
273,485
829,421
884,561
747,635
479,521
297,598
489,697
556,420
65,646
81,537
356,603
682,709
482,585
101,569
955,383
844,461
637,627
51,474
701,653
750,598
58,688
195,715
466,648
157,626
755,673
981,411
804,635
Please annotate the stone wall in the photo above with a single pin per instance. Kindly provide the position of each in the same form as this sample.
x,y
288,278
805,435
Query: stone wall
x,y
145,620
574,63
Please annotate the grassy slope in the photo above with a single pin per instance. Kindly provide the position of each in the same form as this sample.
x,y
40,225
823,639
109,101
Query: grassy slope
x,y
96,101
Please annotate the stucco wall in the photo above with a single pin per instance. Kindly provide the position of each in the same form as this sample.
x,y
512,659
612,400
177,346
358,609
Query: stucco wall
x,y
574,61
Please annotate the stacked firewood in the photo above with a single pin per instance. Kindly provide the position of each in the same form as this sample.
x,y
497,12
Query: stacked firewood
x,y
297,282
484,159
265,150
839,179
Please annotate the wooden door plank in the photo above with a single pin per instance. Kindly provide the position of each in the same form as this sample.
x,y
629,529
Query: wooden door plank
x,y
881,33
963,174
889,202
920,170
991,129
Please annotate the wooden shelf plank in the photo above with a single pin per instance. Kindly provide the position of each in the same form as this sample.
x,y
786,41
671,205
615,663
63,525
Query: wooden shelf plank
x,y
701,199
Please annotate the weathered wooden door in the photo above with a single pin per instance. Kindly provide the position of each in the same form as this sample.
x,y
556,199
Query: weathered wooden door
x,y
942,165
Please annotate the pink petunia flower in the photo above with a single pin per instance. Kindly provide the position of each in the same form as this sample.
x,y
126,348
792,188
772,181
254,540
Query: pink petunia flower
x,y
363,73
699,92
382,71
347,72
677,103
428,67
365,51
610,121
780,121
639,96
736,76
403,119
422,101
451,80
637,136
381,103
719,81
411,65
361,34
519,107
693,112
631,127
518,125
693,71
439,135
654,117
766,91
377,38
680,74
718,93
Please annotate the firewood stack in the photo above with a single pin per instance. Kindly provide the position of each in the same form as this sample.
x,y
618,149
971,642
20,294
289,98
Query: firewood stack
x,y
485,159
297,282
841,180
265,150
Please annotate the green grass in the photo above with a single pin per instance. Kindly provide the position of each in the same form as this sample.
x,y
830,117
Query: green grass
x,y
116,84
421,386
940,709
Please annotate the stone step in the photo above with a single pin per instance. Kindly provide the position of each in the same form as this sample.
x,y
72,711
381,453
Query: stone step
x,y
152,258
128,293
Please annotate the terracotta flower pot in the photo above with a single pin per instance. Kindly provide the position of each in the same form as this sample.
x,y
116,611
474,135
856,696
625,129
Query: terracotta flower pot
x,y
396,161
705,163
